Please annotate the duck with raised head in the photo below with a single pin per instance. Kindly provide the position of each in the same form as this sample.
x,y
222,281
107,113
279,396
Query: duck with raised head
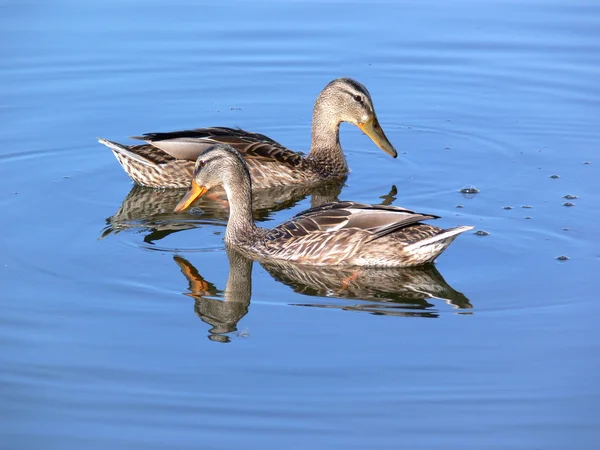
x,y
342,233
167,159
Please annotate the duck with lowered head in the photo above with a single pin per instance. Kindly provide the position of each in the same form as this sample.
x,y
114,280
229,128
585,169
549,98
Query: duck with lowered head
x,y
343,233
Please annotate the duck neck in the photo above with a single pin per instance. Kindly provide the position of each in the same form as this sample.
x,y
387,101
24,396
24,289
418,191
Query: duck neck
x,y
325,148
240,226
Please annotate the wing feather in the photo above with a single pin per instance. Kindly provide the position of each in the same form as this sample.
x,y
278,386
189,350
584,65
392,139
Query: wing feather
x,y
189,144
372,221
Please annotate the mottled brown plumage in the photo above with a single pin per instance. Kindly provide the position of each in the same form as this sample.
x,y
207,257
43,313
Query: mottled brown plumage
x,y
167,160
343,233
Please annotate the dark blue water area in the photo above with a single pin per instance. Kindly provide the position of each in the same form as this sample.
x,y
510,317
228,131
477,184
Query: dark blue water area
x,y
116,328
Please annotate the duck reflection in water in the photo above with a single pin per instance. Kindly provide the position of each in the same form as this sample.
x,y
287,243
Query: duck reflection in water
x,y
223,315
407,292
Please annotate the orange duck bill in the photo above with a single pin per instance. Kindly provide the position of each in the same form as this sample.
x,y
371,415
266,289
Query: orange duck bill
x,y
195,191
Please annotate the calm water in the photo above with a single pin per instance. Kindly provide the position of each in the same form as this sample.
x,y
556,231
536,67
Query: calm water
x,y
115,330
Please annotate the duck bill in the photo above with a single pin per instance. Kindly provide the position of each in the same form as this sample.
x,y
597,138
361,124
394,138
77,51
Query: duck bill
x,y
372,129
195,191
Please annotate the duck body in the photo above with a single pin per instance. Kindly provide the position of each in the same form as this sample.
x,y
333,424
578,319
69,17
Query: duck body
x,y
339,233
351,234
167,159
270,163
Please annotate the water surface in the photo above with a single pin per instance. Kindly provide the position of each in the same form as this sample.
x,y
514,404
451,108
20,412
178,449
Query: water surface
x,y
116,328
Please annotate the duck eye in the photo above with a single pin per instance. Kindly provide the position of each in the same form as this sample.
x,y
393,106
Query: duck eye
x,y
358,98
199,165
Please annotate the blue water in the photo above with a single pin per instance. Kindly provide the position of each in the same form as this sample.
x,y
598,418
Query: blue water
x,y
105,344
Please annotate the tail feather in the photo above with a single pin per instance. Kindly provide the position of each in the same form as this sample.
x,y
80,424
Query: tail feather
x,y
440,237
123,150
429,249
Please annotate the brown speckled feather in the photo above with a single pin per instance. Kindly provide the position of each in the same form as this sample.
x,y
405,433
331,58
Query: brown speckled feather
x,y
351,233
151,168
167,160
150,153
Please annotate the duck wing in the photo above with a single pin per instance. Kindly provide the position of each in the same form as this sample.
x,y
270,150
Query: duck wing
x,y
189,144
371,221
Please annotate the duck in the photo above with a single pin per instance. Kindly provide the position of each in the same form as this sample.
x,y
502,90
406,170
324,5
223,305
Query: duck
x,y
344,233
167,160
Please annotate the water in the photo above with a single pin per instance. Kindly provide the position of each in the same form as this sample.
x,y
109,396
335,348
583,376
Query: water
x,y
107,343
